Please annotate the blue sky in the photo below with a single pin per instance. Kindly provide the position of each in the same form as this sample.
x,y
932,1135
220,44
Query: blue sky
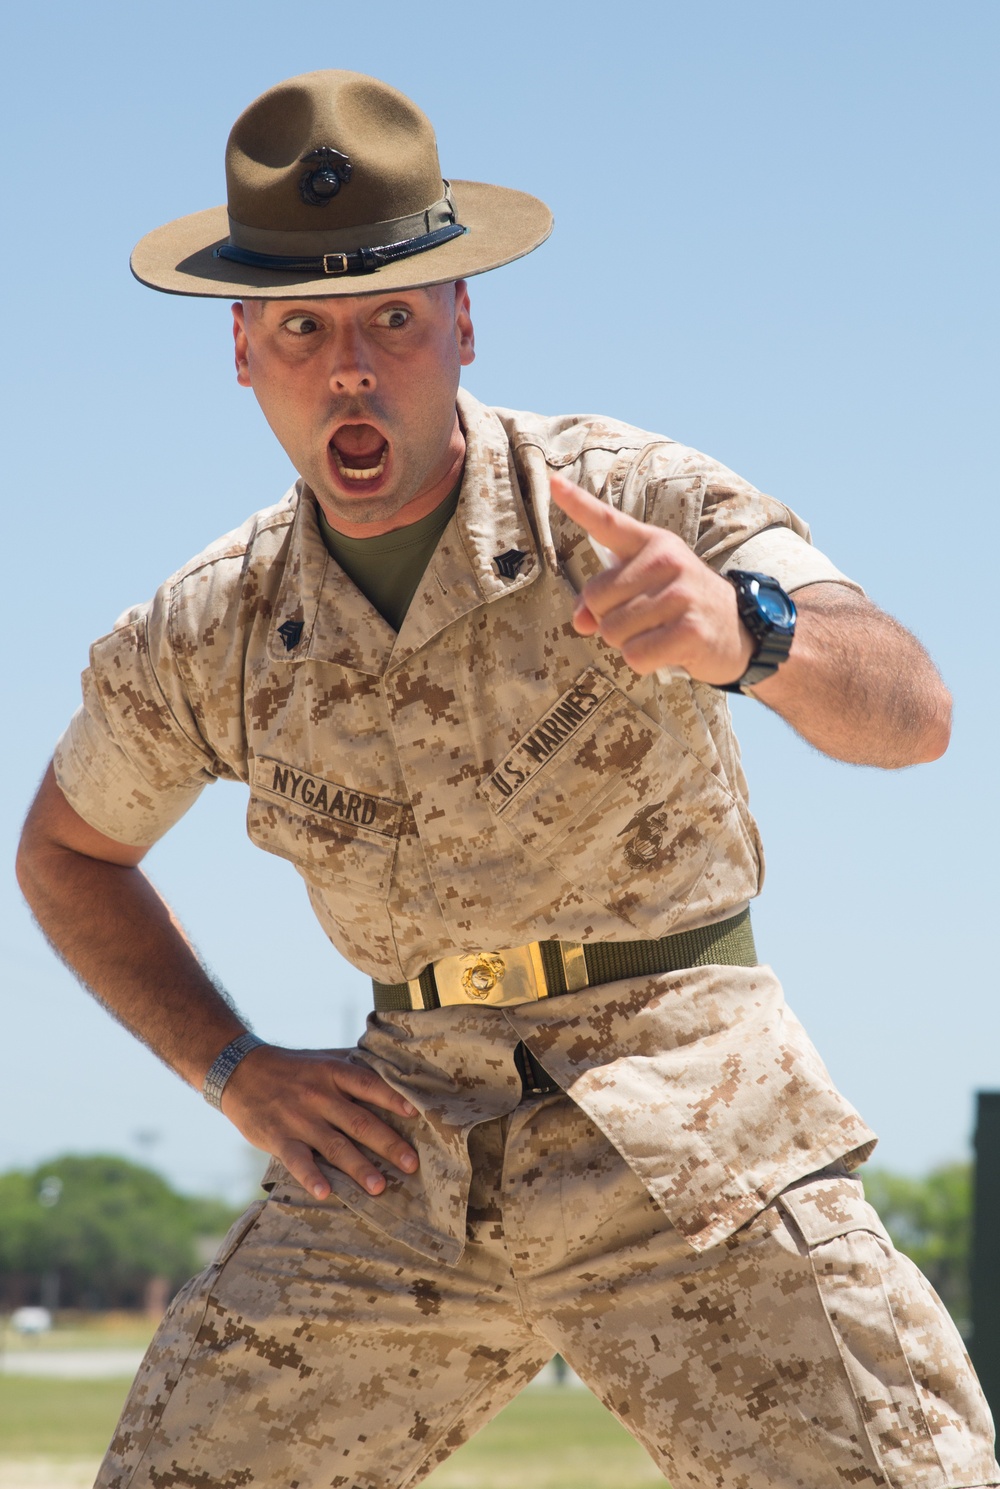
x,y
773,224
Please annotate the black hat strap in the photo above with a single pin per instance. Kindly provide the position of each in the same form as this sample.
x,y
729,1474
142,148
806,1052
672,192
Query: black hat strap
x,y
358,261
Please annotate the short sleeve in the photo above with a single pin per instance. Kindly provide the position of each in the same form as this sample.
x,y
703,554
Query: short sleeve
x,y
729,523
103,786
788,556
131,763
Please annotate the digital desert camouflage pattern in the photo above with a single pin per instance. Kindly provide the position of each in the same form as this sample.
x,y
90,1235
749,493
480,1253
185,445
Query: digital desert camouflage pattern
x,y
485,778
476,778
801,1351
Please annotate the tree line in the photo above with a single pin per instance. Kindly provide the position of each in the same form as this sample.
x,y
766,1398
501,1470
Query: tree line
x,y
930,1219
96,1232
99,1232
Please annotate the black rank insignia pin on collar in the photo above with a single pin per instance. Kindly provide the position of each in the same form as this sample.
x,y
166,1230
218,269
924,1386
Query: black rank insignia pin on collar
x,y
290,632
509,563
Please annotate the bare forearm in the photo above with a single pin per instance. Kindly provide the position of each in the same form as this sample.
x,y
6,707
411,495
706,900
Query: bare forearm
x,y
857,685
106,920
108,923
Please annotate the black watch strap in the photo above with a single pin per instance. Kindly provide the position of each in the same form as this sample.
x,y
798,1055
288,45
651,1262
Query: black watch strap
x,y
769,615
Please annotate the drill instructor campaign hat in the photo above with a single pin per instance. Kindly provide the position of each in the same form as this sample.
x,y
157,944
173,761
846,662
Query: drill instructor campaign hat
x,y
334,188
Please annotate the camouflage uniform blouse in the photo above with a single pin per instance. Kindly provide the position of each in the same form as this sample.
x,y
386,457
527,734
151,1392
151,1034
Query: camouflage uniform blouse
x,y
487,777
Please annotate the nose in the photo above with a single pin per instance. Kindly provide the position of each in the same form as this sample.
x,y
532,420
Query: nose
x,y
352,372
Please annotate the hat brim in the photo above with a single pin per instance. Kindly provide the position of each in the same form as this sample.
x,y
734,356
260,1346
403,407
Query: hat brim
x,y
501,225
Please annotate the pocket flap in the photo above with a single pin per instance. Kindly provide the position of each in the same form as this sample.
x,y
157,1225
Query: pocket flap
x,y
825,1208
328,831
240,1228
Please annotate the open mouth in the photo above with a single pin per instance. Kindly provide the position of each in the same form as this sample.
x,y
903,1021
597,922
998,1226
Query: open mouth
x,y
359,452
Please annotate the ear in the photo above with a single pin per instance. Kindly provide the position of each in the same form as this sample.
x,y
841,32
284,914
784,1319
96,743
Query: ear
x,y
465,335
242,346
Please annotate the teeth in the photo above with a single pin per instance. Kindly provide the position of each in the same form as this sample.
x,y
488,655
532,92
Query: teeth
x,y
355,473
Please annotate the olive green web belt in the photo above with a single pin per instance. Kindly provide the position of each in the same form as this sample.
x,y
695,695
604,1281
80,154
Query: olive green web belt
x,y
544,969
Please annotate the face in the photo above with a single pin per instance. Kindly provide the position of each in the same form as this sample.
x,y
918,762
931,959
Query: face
x,y
360,392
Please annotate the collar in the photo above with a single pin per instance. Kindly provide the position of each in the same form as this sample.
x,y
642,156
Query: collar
x,y
486,553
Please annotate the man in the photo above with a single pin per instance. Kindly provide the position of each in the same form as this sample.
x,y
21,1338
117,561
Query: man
x,y
473,670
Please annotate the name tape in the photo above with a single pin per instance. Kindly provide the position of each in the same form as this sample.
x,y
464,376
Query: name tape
x,y
330,799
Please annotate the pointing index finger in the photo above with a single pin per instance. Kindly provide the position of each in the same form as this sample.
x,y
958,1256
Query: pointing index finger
x,y
614,530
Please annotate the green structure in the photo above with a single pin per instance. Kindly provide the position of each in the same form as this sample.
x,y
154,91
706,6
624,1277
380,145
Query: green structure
x,y
985,1346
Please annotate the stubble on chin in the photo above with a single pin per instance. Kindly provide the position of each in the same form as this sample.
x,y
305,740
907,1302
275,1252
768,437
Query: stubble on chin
x,y
360,508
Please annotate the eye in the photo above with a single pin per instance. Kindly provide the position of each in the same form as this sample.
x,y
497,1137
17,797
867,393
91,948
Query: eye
x,y
393,318
301,325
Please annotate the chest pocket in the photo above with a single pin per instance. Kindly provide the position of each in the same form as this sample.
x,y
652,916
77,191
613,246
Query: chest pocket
x,y
624,810
328,831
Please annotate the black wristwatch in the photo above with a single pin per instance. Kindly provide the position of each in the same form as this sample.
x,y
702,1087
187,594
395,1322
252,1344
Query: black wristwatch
x,y
769,615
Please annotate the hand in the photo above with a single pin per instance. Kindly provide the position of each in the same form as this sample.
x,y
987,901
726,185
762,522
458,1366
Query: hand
x,y
658,604
299,1103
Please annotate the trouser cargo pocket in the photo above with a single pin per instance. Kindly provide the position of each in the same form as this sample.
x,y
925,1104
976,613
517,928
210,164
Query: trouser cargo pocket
x,y
919,1405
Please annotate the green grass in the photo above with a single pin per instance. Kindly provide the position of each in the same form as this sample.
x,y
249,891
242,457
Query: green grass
x,y
82,1331
549,1438
57,1418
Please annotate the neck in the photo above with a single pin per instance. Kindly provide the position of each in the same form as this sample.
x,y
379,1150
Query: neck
x,y
419,506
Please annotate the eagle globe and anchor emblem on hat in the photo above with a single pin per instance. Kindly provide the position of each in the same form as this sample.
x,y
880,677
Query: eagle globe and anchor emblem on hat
x,y
331,170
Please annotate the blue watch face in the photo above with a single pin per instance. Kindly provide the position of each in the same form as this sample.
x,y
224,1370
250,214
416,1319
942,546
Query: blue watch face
x,y
774,605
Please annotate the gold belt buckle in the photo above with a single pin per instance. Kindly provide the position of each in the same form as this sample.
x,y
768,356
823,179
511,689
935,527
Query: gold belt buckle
x,y
492,978
498,979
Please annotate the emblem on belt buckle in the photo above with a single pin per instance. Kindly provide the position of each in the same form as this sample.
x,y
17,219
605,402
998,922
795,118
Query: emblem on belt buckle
x,y
481,978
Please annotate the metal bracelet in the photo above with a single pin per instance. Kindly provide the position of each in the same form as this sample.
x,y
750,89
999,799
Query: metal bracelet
x,y
224,1065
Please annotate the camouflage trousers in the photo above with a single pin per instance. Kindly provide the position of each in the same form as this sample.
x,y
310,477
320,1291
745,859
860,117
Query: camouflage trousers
x,y
318,1351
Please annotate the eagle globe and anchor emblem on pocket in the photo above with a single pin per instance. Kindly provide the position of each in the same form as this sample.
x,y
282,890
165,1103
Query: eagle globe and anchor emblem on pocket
x,y
650,829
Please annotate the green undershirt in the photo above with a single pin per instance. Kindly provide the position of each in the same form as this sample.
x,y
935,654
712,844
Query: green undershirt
x,y
388,569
